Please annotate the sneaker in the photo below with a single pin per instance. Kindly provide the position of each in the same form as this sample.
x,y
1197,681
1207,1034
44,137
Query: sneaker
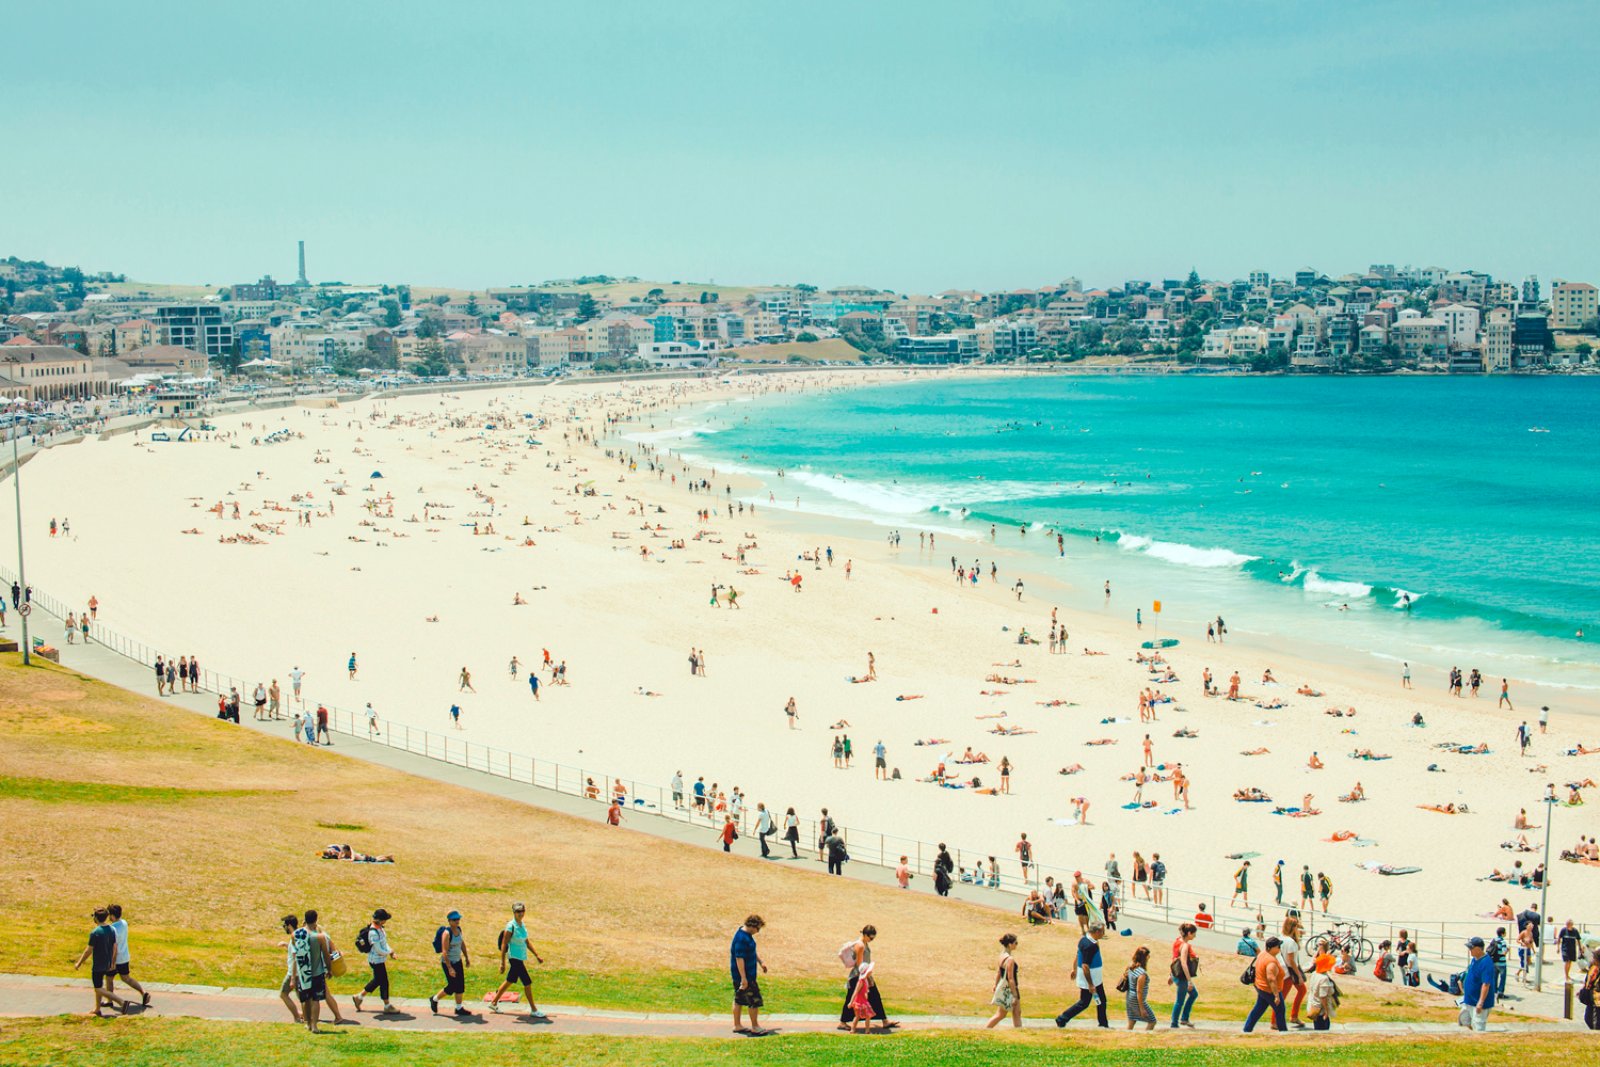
x,y
537,1015
433,1005
462,1011
390,1009
494,1006
1061,1020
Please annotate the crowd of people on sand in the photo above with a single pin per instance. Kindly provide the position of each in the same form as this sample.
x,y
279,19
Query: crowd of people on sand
x,y
1284,965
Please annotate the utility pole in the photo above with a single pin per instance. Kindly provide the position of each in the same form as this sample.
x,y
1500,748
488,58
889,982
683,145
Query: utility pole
x,y
1544,888
23,605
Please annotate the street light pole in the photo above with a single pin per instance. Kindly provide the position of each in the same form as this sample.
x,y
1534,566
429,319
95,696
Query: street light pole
x,y
22,605
1544,888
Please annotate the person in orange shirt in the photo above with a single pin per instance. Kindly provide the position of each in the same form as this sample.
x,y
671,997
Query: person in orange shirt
x,y
1269,987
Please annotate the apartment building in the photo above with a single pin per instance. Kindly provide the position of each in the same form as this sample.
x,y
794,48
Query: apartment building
x,y
1573,305
202,327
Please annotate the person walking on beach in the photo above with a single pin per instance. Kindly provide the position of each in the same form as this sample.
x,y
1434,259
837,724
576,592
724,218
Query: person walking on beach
x,y
102,947
1241,884
1324,890
1269,980
743,963
1405,675
872,667
1090,979
378,956
464,682
1007,998
1024,851
792,711
514,947
454,959
351,666
533,683
119,927
1505,695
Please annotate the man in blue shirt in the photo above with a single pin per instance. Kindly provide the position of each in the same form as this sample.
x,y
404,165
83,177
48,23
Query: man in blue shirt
x,y
1090,980
1477,987
743,962
880,761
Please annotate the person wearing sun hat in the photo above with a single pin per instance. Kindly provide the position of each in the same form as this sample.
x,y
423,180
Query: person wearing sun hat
x,y
1322,1000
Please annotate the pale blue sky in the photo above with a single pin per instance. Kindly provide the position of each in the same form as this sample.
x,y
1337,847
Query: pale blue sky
x,y
918,146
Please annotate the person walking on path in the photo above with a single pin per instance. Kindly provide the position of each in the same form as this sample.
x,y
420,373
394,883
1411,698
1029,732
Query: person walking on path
x,y
1185,966
1241,884
1589,994
310,949
351,666
119,927
791,833
943,867
378,956
1090,978
313,924
1323,1002
1477,987
290,925
743,963
1291,956
836,851
454,959
1136,983
862,969
103,947
514,947
323,736
1007,997
764,828
1269,977
730,834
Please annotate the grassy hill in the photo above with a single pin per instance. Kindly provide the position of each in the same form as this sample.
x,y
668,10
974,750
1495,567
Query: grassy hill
x,y
833,348
207,833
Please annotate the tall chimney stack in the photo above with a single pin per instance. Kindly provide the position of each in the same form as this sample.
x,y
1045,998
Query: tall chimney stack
x,y
303,280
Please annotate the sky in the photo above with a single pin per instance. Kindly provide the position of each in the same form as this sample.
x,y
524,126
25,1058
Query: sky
x,y
914,146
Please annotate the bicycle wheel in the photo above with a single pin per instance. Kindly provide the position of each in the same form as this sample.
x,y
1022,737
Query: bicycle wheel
x,y
1363,951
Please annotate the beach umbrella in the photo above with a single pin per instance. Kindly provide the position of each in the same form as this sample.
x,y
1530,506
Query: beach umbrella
x,y
376,474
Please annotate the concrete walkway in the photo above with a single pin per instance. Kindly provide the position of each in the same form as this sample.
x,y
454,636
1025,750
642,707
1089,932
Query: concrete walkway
x,y
28,995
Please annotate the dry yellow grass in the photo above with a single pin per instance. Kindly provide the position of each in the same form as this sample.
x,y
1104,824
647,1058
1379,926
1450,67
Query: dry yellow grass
x,y
207,833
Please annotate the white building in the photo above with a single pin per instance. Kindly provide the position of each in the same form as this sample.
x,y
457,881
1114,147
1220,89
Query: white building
x,y
1461,320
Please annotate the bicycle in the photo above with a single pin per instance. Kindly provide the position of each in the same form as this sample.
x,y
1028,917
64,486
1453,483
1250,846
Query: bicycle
x,y
1348,937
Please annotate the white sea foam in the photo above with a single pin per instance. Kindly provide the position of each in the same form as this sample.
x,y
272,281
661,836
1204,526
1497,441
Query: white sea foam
x,y
1182,554
1315,583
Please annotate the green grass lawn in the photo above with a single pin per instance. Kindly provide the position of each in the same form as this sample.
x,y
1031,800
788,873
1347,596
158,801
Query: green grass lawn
x,y
197,1043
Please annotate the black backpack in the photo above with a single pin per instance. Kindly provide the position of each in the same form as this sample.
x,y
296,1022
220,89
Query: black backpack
x,y
364,939
438,938
1249,975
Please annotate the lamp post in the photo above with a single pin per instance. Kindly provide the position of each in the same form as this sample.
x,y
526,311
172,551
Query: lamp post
x,y
16,406
1544,888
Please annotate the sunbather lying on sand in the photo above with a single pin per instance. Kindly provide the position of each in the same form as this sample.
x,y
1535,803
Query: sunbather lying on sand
x,y
930,741
1074,769
909,696
1368,754
1102,741
1445,809
1254,752
972,757
1011,731
1251,795
1307,691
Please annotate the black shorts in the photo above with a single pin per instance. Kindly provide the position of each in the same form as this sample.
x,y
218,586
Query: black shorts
x,y
317,990
699,801
748,997
881,762
121,970
456,983
517,973
100,978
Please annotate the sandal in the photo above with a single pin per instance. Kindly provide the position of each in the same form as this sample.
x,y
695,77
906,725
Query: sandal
x,y
146,1002
742,1030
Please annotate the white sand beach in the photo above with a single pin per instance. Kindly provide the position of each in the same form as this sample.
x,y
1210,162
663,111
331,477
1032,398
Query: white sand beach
x,y
393,570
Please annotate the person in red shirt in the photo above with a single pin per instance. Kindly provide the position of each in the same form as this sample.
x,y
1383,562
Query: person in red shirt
x,y
614,813
1203,919
730,833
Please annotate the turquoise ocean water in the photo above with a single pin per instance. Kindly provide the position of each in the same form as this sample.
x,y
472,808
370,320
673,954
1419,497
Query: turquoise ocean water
x,y
1303,509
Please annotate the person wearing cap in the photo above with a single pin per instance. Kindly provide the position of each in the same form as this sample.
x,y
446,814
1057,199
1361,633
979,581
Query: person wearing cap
x,y
103,947
1269,987
1090,979
454,961
515,946
1477,987
378,956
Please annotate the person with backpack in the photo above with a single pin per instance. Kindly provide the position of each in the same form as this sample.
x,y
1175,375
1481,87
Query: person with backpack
x,y
836,852
1589,993
857,956
515,946
1323,1000
1383,970
451,945
374,941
